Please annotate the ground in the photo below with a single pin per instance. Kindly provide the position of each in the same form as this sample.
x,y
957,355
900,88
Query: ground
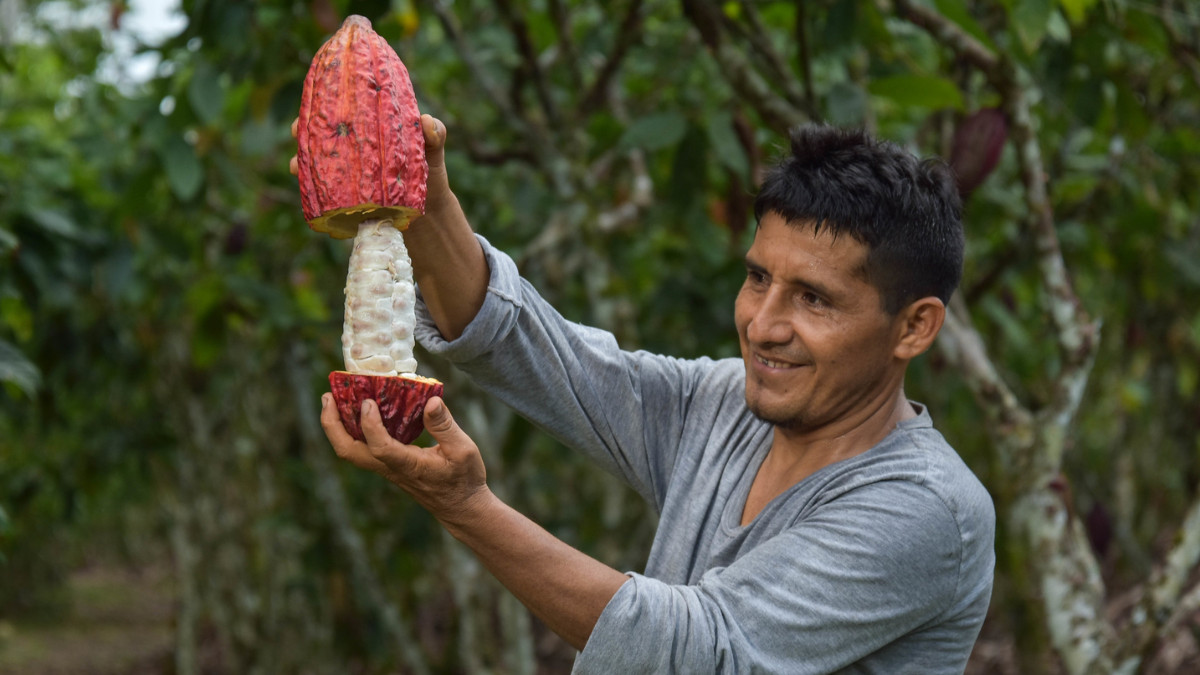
x,y
121,622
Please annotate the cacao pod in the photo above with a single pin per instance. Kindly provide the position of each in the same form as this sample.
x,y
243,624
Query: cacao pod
x,y
978,144
401,400
361,152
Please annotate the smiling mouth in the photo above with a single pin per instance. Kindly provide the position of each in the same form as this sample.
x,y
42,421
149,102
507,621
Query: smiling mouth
x,y
779,365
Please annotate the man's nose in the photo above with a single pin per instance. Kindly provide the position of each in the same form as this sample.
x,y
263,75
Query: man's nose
x,y
770,323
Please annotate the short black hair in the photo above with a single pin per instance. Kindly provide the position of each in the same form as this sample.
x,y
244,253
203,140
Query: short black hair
x,y
906,210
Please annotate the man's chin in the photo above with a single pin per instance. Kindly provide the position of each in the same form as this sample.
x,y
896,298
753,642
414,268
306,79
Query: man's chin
x,y
779,418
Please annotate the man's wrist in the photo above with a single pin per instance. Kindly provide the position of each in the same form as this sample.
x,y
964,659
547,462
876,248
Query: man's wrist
x,y
470,513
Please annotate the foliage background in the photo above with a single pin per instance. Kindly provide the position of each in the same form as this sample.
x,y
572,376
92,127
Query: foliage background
x,y
167,320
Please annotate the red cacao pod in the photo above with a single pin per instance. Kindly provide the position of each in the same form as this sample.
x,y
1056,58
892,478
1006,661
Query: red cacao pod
x,y
401,400
361,152
978,143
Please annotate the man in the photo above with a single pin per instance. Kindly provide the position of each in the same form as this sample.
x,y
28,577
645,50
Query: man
x,y
811,518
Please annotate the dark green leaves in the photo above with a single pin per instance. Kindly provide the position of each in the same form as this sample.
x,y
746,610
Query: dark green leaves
x,y
16,369
205,93
184,172
925,91
654,132
725,144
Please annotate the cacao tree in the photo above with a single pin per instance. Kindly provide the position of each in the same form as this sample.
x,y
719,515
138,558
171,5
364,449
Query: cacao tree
x,y
167,320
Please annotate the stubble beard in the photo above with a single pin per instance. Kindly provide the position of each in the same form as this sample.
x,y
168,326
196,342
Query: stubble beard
x,y
786,420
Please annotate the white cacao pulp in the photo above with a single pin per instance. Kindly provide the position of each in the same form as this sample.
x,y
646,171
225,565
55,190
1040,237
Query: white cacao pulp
x,y
377,330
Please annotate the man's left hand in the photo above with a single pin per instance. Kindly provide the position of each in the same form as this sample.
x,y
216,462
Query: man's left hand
x,y
448,479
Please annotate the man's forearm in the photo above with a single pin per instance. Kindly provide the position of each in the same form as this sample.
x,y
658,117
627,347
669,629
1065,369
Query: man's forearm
x,y
565,588
449,267
448,263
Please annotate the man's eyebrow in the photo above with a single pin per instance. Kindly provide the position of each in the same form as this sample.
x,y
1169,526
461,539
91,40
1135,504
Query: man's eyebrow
x,y
819,288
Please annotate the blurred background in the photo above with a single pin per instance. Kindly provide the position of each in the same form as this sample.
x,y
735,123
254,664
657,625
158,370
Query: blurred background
x,y
168,503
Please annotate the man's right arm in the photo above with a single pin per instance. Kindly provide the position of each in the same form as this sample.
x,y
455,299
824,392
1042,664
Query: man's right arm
x,y
448,264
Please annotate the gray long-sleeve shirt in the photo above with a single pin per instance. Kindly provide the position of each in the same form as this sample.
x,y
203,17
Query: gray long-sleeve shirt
x,y
881,563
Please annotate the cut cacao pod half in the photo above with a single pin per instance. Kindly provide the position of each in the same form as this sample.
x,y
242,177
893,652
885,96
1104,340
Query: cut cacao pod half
x,y
401,400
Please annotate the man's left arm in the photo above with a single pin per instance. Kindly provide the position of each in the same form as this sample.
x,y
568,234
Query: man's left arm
x,y
565,588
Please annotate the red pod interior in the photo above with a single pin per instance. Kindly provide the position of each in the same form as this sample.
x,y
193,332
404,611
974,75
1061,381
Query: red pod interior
x,y
401,400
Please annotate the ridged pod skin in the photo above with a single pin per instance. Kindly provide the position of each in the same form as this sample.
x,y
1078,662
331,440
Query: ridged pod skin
x,y
361,152
401,401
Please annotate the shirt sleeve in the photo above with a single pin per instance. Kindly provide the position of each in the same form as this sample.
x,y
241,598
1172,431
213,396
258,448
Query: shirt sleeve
x,y
873,565
623,409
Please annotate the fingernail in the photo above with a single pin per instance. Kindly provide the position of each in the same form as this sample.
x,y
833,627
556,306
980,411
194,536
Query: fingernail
x,y
324,401
368,407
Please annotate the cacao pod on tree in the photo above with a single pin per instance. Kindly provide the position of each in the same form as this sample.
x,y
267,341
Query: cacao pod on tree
x,y
978,144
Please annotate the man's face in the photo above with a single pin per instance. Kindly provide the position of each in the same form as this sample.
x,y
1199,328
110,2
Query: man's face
x,y
817,345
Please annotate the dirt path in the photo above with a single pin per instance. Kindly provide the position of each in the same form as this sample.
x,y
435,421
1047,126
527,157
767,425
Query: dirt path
x,y
119,622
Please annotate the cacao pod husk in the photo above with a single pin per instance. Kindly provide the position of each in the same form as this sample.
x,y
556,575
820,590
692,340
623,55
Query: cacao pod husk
x,y
401,400
361,151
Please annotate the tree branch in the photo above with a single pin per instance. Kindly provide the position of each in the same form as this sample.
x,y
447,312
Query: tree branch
x,y
758,37
963,348
1165,592
1076,334
533,70
1069,581
627,34
489,87
566,44
537,137
1186,53
775,111
951,35
804,55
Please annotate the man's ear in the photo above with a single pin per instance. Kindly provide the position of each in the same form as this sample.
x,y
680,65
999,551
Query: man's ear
x,y
918,324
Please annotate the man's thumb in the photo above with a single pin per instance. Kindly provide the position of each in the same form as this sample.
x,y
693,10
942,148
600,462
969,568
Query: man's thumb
x,y
435,142
438,420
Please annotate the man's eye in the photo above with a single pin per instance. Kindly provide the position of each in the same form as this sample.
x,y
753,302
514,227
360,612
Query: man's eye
x,y
813,300
754,276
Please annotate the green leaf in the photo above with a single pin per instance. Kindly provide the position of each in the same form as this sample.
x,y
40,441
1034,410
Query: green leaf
x,y
846,104
8,241
55,222
1131,112
1076,10
956,11
1031,20
839,26
17,317
654,132
686,187
185,174
1184,260
206,94
725,144
923,91
17,369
